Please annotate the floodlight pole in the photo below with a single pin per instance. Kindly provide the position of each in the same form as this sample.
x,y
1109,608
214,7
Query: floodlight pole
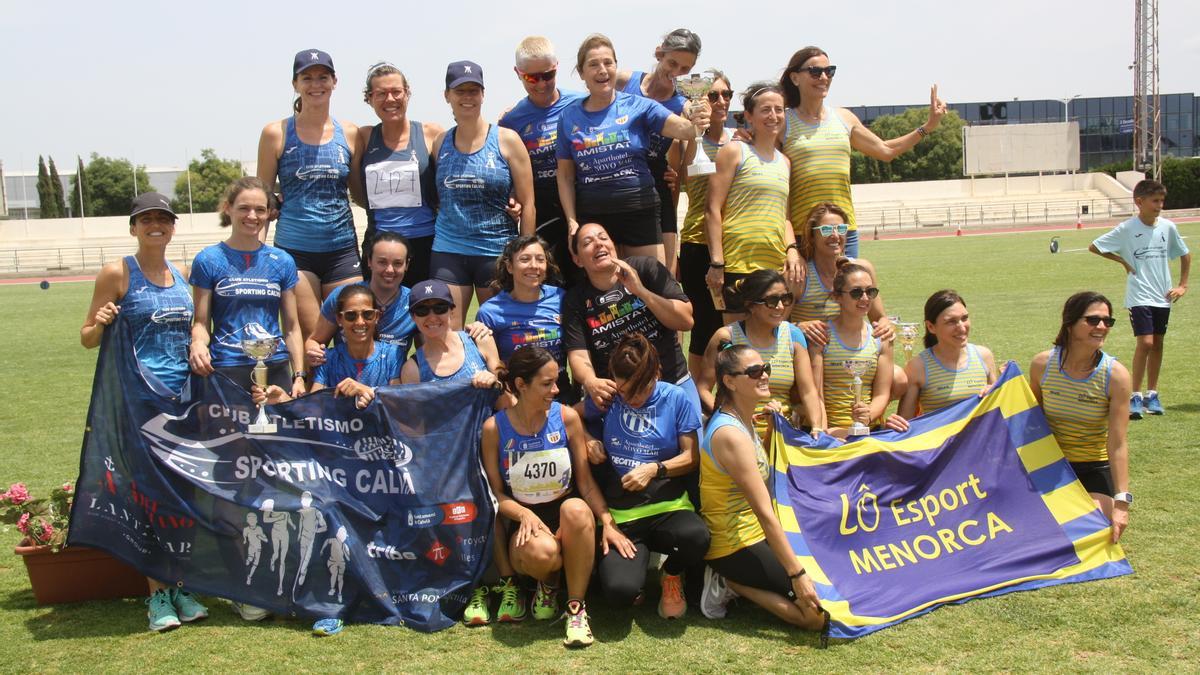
x,y
1147,129
1067,106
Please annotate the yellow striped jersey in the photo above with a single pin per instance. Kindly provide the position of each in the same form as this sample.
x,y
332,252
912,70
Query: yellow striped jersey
x,y
816,302
944,386
696,188
820,155
754,214
837,381
1077,410
781,355
723,505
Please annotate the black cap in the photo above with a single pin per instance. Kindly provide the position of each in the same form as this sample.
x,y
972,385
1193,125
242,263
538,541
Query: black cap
x,y
307,58
463,72
150,201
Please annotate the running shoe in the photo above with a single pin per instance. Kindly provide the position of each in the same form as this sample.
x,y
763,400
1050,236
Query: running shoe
x,y
186,606
512,603
250,612
1153,405
161,612
716,595
327,627
1136,407
476,613
545,602
579,631
671,604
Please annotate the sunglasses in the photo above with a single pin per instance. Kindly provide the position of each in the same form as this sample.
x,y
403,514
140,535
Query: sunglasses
x,y
351,315
424,310
1095,320
828,230
815,71
714,95
534,78
857,293
773,301
756,371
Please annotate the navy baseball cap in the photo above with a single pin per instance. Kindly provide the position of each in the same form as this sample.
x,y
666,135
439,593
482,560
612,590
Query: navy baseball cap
x,y
429,290
463,72
307,58
150,201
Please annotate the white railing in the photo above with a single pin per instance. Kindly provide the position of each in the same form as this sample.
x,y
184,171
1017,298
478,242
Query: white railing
x,y
35,261
992,213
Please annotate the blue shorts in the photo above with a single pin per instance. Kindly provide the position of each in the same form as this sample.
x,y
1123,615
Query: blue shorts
x,y
457,269
331,267
1148,320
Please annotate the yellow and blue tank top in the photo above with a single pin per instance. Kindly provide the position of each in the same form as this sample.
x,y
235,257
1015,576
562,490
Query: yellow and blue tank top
x,y
816,301
781,356
696,187
723,505
1077,410
820,155
837,381
944,386
754,214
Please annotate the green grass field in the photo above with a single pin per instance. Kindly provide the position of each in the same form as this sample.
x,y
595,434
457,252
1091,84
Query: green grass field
x,y
1015,287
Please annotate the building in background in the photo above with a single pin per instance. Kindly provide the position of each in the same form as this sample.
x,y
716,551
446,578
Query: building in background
x,y
1105,122
20,195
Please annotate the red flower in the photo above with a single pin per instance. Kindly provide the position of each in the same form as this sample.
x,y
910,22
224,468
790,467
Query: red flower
x,y
17,494
67,487
23,523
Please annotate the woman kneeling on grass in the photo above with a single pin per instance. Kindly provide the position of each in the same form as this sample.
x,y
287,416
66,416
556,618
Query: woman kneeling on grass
x,y
159,314
750,555
536,462
1085,395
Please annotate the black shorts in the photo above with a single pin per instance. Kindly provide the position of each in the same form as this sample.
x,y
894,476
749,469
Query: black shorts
x,y
1095,477
549,512
462,270
755,566
279,373
668,217
733,299
329,266
630,228
693,266
1148,320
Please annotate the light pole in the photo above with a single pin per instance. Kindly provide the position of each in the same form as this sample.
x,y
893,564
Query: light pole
x,y
1067,106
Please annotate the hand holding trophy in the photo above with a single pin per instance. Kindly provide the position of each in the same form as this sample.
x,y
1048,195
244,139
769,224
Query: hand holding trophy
x,y
696,87
260,349
857,368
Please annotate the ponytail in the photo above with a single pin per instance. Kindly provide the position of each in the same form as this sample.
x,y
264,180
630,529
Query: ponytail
x,y
729,357
635,361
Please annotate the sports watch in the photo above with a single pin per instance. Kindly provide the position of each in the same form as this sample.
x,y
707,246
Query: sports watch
x,y
1126,497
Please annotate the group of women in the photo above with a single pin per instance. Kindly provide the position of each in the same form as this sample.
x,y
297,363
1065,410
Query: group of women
x,y
777,300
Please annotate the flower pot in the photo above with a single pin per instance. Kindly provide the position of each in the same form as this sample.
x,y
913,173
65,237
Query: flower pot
x,y
77,573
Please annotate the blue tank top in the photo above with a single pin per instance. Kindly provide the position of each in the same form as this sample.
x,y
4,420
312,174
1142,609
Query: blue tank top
x,y
473,191
472,362
161,320
315,216
399,184
657,144
536,469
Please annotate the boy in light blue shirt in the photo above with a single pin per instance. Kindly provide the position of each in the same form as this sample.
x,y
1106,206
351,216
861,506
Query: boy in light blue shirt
x,y
1145,245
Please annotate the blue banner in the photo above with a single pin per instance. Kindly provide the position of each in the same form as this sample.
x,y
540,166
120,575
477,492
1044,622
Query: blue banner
x,y
975,499
379,515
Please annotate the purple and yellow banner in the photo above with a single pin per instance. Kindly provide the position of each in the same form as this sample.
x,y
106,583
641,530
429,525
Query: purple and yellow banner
x,y
974,500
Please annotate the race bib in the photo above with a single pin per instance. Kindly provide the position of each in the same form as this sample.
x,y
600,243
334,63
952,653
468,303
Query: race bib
x,y
539,476
394,183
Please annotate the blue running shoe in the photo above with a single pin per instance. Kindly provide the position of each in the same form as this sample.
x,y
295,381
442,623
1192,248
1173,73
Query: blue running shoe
x,y
161,612
1153,405
186,606
327,627
1136,408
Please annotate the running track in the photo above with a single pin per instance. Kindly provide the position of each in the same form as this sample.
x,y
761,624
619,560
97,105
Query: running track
x,y
940,232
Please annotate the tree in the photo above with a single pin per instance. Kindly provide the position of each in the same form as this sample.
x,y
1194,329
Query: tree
x,y
45,191
56,183
937,157
108,185
81,189
210,175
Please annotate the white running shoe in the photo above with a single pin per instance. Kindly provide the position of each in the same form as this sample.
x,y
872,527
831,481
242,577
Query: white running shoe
x,y
716,595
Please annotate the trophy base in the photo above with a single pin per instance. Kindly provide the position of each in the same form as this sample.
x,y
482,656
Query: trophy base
x,y
705,169
858,429
263,428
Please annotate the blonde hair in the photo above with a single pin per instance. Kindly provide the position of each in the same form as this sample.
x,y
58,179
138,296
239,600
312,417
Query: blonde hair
x,y
535,47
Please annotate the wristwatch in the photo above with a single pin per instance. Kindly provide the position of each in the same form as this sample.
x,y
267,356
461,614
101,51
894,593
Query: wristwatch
x,y
662,470
1126,497
299,374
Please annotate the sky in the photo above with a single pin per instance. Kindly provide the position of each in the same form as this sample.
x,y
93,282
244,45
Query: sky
x,y
156,82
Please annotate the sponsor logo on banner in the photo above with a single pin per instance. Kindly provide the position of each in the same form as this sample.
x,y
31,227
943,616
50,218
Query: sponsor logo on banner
x,y
459,513
438,552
